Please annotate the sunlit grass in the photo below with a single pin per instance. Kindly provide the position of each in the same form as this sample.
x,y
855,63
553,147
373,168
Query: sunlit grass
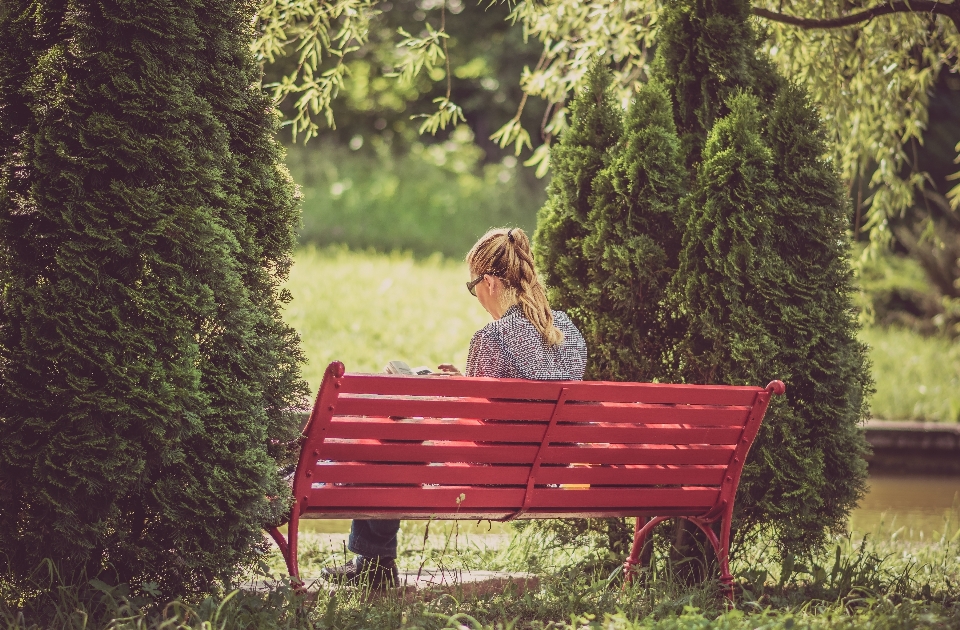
x,y
367,309
917,378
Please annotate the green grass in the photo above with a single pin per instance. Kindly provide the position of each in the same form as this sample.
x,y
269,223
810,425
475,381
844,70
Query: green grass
x,y
875,581
366,309
917,378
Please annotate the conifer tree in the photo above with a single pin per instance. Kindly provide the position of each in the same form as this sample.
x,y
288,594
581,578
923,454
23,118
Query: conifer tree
x,y
707,52
766,288
146,224
632,244
825,364
762,286
581,153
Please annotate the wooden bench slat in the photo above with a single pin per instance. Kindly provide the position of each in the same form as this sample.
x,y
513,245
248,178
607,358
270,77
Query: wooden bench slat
x,y
495,514
462,474
517,454
432,429
640,413
445,499
657,414
435,453
644,454
445,408
547,390
466,474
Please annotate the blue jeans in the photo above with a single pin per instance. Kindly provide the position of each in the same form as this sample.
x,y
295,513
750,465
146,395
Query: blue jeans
x,y
374,538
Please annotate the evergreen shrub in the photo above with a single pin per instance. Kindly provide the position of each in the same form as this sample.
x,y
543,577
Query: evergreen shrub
x,y
581,153
146,226
728,263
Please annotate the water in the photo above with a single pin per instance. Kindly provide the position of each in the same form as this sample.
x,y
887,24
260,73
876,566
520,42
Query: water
x,y
921,507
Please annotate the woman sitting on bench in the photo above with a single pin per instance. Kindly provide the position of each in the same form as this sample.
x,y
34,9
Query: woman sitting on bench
x,y
526,340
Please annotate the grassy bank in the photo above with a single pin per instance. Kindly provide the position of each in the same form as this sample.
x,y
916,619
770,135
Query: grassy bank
x,y
366,309
918,378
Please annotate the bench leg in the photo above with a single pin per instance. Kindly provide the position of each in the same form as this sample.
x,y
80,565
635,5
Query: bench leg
x,y
282,543
292,531
641,530
721,547
288,548
723,554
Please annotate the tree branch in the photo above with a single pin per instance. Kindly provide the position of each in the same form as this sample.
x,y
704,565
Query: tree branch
x,y
931,7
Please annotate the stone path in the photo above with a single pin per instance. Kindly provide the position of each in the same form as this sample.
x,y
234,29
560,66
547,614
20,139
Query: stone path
x,y
465,582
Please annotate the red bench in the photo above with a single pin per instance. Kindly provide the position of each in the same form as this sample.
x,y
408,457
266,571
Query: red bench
x,y
410,447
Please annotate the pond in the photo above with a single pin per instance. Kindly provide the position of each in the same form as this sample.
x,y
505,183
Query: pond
x,y
920,507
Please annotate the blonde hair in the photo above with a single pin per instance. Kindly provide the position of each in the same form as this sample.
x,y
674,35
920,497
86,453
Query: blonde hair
x,y
505,253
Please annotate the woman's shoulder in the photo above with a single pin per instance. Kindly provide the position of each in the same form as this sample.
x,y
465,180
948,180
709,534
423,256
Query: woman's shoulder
x,y
560,318
562,321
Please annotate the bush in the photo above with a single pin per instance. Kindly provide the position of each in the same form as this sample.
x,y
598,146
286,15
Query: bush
x,y
762,288
146,223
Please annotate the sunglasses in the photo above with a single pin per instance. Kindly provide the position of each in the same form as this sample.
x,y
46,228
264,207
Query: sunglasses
x,y
472,285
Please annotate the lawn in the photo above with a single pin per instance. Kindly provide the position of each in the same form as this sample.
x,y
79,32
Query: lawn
x,y
366,309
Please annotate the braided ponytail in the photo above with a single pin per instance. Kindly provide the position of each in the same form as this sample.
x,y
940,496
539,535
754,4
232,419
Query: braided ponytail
x,y
506,254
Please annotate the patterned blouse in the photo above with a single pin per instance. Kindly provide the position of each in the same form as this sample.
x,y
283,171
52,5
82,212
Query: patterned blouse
x,y
512,347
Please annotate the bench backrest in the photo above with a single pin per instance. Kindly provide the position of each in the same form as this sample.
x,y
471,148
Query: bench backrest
x,y
380,446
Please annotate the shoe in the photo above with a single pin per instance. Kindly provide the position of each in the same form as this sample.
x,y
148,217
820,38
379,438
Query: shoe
x,y
375,573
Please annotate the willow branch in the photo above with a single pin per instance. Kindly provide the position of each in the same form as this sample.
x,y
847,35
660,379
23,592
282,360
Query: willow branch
x,y
930,7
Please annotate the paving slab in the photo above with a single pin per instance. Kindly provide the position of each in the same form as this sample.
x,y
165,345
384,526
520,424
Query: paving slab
x,y
428,581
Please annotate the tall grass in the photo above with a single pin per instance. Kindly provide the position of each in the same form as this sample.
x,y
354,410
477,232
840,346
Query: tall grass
x,y
874,582
438,198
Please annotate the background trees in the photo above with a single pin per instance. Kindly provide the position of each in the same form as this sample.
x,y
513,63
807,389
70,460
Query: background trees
x,y
146,223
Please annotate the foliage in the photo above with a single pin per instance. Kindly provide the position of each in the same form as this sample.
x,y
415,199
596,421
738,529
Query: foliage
x,y
706,54
562,222
436,198
146,226
632,244
405,55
